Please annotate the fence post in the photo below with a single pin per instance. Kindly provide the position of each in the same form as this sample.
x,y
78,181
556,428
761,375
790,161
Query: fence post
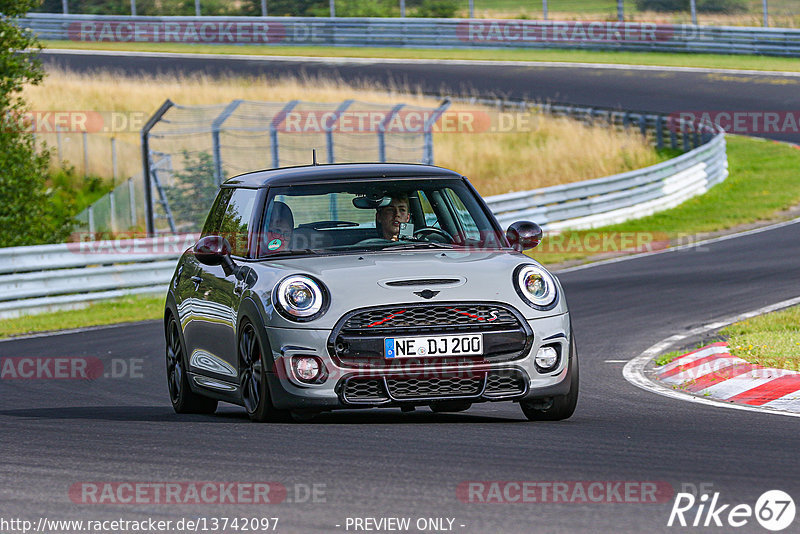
x,y
659,131
196,8
263,8
112,206
273,129
693,7
544,9
85,137
133,8
382,132
471,9
403,8
65,6
766,14
148,191
113,159
333,8
91,221
428,156
132,195
329,128
621,10
216,126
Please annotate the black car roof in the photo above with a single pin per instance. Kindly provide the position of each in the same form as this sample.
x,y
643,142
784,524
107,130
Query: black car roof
x,y
338,171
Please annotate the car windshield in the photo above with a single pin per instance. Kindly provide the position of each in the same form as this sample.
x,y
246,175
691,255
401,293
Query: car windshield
x,y
374,216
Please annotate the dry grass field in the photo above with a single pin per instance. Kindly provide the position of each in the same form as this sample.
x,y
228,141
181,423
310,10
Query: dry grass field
x,y
541,151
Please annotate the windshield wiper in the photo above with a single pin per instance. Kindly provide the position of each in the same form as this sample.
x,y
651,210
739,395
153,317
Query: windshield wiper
x,y
292,252
416,244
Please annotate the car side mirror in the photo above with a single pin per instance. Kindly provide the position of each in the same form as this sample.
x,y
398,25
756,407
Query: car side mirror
x,y
524,235
214,250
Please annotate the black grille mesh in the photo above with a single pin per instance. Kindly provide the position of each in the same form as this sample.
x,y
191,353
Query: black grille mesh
x,y
430,316
504,384
439,386
360,389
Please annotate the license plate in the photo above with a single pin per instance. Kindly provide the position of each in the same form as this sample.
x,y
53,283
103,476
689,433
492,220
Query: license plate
x,y
414,347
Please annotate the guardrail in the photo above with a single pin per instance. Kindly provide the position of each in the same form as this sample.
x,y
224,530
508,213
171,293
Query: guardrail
x,y
70,275
422,33
614,199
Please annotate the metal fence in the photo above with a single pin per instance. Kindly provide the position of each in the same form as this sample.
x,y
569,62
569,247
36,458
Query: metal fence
x,y
424,33
189,150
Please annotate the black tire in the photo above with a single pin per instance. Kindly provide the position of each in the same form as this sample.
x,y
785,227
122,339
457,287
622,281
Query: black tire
x,y
183,399
450,406
563,406
253,378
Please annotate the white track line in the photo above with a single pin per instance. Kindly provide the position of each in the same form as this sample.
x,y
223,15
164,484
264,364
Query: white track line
x,y
412,61
634,369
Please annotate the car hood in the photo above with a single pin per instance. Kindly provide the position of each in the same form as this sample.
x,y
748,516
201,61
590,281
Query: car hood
x,y
371,279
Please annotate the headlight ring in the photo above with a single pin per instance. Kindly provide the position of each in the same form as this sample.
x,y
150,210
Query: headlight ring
x,y
536,286
300,298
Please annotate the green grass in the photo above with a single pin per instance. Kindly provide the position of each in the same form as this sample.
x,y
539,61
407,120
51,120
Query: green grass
x,y
771,340
664,359
121,310
572,56
762,182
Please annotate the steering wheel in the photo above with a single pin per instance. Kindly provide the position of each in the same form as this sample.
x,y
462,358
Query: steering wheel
x,y
424,233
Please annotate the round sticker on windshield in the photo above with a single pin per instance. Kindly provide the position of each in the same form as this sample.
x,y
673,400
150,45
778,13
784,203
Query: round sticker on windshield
x,y
274,244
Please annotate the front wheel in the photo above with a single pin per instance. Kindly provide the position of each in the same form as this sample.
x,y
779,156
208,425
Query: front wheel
x,y
253,371
182,398
562,406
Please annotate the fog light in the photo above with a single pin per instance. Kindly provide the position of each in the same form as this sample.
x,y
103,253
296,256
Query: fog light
x,y
307,368
546,358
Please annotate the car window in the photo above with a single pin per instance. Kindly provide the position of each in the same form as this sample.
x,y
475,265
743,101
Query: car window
x,y
214,219
372,215
464,217
235,220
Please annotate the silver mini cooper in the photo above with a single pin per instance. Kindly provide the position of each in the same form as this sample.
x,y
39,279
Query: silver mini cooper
x,y
364,285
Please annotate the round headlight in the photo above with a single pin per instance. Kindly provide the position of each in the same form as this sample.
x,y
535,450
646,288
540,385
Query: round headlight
x,y
300,297
536,286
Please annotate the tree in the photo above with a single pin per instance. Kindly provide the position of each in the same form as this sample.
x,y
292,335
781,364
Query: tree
x,y
25,217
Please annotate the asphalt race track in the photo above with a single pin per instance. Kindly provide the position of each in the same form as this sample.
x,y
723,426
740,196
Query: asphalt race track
x,y
381,463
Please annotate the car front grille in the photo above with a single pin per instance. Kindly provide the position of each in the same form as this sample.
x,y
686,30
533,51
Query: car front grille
x,y
489,385
357,340
430,316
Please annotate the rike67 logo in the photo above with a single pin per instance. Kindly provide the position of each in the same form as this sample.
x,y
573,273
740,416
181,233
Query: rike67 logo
x,y
774,510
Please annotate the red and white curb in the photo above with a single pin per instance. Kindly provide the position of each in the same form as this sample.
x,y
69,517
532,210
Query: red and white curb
x,y
712,372
639,371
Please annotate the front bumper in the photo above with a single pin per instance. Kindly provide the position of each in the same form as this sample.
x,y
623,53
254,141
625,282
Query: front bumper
x,y
415,385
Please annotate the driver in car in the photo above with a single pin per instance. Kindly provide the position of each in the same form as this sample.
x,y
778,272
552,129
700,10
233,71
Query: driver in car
x,y
388,218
